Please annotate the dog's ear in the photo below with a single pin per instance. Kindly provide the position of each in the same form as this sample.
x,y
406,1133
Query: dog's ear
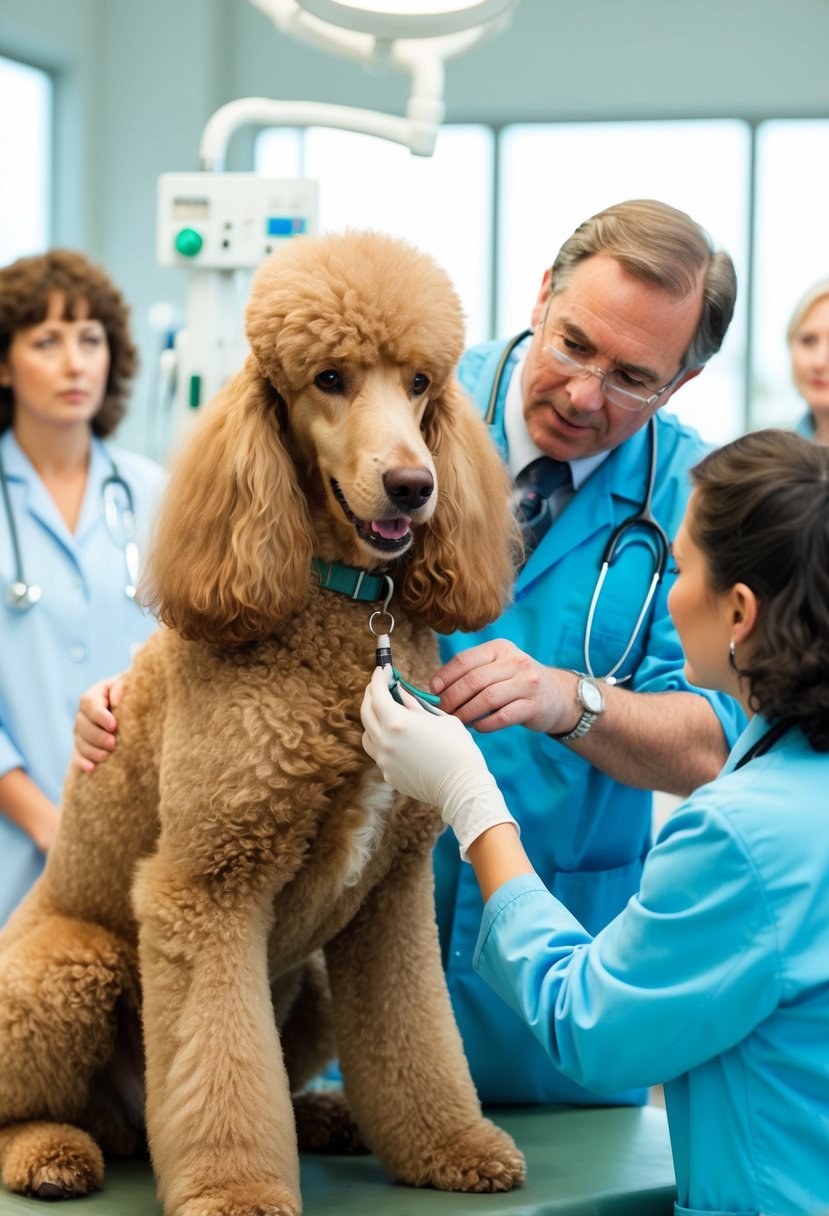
x,y
232,550
462,571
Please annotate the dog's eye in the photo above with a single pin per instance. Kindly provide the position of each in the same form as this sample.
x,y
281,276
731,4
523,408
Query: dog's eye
x,y
329,381
420,384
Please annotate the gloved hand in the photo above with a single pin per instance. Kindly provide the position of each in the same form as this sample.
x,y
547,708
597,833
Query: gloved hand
x,y
431,757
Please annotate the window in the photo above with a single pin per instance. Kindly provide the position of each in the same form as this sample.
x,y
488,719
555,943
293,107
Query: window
x,y
25,155
430,201
792,253
553,176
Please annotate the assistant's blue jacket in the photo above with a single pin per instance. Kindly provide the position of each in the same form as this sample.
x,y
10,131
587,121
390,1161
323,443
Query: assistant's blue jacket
x,y
587,835
714,980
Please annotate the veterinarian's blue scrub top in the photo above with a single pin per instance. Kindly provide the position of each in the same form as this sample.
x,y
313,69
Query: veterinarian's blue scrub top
x,y
714,979
82,629
586,834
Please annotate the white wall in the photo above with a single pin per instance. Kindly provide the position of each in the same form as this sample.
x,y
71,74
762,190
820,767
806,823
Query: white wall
x,y
137,81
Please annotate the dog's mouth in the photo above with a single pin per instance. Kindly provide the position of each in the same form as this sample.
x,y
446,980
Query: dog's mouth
x,y
384,535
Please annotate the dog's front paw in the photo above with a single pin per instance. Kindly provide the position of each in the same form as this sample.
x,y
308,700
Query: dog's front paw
x,y
483,1158
50,1160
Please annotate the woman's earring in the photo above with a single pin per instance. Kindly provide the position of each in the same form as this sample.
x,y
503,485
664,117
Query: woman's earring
x,y
732,657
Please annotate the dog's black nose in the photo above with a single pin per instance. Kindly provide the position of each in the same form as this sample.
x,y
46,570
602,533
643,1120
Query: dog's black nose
x,y
408,489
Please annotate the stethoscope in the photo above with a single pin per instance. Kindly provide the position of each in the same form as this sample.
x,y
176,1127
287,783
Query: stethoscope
x,y
641,521
119,517
767,741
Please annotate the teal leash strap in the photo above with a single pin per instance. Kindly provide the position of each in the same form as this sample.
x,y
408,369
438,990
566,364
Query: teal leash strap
x,y
426,699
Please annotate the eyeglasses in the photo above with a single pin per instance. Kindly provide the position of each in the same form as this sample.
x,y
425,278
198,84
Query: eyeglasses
x,y
618,386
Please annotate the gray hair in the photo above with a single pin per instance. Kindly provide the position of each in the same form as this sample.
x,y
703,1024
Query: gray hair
x,y
811,296
659,244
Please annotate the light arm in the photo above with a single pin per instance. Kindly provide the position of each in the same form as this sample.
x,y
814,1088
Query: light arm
x,y
24,804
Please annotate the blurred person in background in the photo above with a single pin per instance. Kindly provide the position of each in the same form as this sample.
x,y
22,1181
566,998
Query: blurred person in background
x,y
75,516
808,339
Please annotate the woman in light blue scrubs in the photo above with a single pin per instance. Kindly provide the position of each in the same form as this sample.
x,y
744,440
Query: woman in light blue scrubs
x,y
808,339
714,980
75,514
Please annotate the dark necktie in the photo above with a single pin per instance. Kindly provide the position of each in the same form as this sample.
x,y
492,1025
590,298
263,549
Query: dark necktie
x,y
534,485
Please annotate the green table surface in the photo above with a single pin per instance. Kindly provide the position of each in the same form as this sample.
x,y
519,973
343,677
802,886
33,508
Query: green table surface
x,y
609,1161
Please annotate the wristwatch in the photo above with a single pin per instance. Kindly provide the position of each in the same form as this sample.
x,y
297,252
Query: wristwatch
x,y
589,698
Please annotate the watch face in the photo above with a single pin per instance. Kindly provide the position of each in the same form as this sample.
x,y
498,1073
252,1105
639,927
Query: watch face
x,y
591,697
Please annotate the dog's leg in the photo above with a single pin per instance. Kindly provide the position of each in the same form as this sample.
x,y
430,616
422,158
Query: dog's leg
x,y
219,1112
400,1051
306,1023
324,1122
60,983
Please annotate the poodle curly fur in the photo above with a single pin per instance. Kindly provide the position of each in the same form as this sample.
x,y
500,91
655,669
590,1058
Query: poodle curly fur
x,y
237,881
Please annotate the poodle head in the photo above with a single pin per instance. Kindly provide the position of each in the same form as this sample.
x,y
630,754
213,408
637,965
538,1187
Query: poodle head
x,y
346,437
359,335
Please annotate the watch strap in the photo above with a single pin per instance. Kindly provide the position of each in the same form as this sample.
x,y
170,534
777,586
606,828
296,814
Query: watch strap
x,y
588,716
580,729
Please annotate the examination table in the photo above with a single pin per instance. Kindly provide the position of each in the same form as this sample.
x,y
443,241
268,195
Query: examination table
x,y
609,1161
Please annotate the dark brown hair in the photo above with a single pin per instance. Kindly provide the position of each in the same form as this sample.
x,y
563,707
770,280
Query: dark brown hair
x,y
760,515
26,287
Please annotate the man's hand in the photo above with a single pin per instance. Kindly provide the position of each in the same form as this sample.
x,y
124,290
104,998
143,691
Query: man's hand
x,y
496,685
95,724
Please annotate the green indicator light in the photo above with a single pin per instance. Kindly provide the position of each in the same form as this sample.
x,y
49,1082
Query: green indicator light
x,y
189,242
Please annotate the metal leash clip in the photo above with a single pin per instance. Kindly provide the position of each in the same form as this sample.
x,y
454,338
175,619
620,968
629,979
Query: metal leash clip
x,y
382,656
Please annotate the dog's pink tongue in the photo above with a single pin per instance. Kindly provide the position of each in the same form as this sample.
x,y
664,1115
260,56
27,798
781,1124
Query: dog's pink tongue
x,y
391,529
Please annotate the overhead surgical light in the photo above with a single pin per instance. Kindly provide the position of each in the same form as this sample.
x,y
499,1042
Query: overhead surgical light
x,y
351,32
393,19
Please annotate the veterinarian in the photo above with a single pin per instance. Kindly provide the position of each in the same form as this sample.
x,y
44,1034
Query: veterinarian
x,y
74,522
577,692
714,978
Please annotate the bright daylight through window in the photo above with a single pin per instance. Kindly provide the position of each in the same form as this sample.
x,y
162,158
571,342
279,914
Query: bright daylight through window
x,y
25,154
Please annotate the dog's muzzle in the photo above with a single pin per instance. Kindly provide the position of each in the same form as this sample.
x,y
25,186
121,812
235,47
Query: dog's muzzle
x,y
393,534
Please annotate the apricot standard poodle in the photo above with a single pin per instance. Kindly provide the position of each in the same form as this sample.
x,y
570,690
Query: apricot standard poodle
x,y
239,835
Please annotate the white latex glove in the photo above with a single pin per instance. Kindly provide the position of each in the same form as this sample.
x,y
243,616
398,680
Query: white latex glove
x,y
431,757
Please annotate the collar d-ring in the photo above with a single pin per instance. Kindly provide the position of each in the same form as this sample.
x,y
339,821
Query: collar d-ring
x,y
384,611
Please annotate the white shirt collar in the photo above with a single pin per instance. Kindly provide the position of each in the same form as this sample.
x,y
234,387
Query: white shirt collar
x,y
521,450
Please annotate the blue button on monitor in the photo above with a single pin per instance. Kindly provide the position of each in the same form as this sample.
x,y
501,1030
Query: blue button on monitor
x,y
285,225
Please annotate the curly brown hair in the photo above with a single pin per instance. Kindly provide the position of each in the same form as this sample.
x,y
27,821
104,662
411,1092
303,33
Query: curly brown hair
x,y
26,287
760,515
